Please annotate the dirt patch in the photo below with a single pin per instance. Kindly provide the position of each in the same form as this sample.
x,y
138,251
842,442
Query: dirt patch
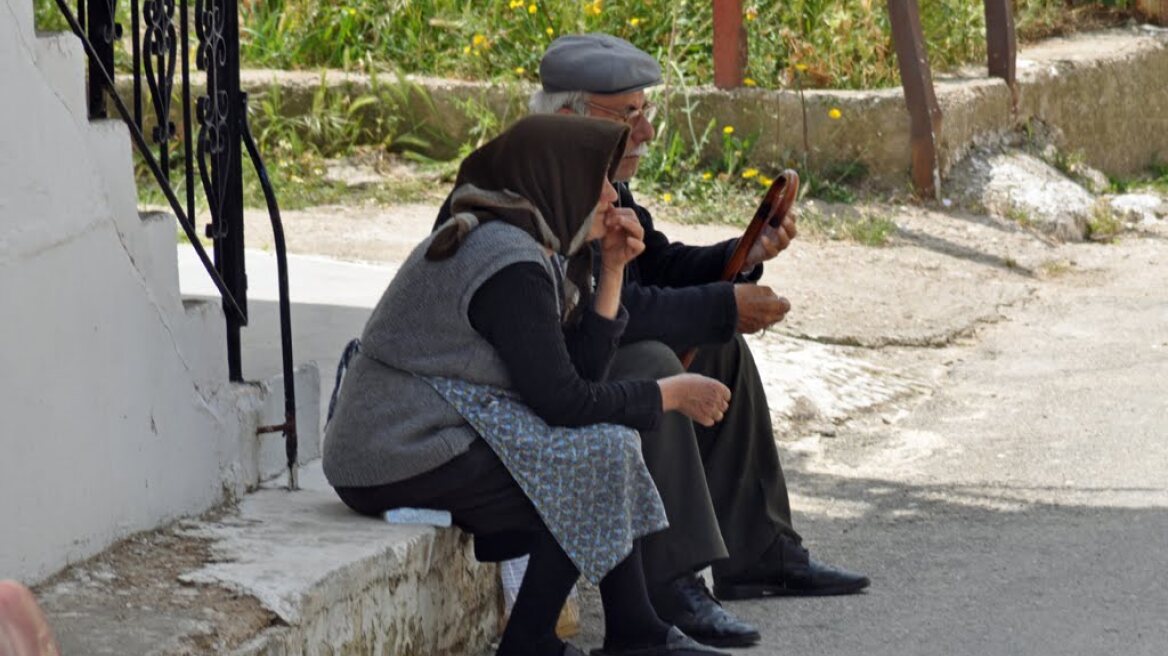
x,y
131,595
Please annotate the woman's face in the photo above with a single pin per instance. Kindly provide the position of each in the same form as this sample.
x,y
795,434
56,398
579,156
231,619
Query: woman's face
x,y
608,196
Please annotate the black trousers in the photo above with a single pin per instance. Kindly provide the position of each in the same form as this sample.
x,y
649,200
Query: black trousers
x,y
481,495
723,487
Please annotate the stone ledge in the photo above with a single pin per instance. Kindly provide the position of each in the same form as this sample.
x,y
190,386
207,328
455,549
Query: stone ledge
x,y
281,573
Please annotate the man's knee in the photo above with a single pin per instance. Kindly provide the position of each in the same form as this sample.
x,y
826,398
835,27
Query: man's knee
x,y
648,359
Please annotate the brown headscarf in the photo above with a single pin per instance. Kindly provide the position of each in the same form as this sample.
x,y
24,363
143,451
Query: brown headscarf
x,y
549,169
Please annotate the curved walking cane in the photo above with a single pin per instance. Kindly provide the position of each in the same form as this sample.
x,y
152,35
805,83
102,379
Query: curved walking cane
x,y
772,210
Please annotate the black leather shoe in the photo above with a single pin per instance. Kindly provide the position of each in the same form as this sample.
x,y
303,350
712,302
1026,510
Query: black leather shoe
x,y
787,570
686,603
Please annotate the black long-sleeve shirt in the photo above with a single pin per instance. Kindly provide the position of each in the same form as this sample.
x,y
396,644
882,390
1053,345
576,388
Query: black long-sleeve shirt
x,y
672,290
558,372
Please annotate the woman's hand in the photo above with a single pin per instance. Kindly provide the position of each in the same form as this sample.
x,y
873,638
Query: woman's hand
x,y
698,397
623,238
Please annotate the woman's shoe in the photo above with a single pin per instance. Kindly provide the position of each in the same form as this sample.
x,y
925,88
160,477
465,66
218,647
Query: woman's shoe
x,y
676,644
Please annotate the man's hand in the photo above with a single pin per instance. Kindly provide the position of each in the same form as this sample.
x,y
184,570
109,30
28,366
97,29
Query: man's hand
x,y
758,307
698,397
623,240
771,241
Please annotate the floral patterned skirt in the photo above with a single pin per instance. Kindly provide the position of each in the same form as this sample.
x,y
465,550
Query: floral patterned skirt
x,y
588,484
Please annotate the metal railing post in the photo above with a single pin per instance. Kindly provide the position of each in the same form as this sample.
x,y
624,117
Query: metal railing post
x,y
729,44
103,33
924,114
220,155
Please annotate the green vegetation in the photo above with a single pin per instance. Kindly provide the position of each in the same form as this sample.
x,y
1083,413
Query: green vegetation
x,y
833,43
1103,225
694,172
1155,179
865,229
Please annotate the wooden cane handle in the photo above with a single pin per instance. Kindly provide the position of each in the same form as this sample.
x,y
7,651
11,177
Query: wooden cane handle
x,y
775,206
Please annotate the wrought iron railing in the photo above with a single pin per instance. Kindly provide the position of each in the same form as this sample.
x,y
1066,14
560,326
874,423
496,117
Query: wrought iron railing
x,y
209,154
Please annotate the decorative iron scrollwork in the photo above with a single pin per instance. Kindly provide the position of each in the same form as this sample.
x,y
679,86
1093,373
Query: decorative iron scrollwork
x,y
160,43
212,109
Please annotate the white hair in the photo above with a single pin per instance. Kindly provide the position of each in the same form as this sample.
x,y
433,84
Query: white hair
x,y
548,102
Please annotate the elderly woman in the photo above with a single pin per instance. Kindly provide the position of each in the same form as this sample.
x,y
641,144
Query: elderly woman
x,y
476,388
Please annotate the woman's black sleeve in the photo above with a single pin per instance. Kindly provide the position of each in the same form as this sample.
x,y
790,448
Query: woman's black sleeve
x,y
515,310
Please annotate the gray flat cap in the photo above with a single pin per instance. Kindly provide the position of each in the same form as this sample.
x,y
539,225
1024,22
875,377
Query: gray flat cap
x,y
596,63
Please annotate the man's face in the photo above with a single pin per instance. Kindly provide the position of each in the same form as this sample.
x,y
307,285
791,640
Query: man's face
x,y
614,108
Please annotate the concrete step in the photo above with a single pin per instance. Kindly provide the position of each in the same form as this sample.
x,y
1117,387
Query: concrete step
x,y
157,257
61,59
280,573
203,331
110,151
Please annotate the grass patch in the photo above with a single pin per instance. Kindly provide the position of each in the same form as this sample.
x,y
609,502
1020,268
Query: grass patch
x,y
1154,179
865,229
1103,226
1051,269
1020,216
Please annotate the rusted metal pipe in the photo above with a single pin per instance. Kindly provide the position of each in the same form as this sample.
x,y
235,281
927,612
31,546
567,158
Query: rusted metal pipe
x,y
1002,45
729,44
924,114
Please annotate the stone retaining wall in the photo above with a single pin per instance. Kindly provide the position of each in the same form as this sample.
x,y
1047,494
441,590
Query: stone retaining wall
x,y
1107,92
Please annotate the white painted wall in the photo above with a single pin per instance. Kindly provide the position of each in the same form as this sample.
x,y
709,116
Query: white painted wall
x,y
115,410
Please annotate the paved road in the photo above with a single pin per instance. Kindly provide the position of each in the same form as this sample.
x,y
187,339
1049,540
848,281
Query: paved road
x,y
1022,506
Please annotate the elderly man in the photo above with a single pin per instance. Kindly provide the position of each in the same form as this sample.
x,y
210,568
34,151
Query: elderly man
x,y
722,486
675,301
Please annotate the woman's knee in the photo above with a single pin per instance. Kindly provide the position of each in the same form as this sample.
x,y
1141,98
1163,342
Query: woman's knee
x,y
648,359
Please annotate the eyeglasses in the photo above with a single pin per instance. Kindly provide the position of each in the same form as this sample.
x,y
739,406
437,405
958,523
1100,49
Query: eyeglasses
x,y
631,116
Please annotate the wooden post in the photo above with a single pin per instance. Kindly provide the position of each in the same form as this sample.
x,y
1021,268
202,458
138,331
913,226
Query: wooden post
x,y
924,114
729,44
1155,10
1002,45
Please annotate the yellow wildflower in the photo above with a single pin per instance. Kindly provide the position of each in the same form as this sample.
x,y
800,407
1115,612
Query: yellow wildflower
x,y
515,4
749,173
707,176
765,181
519,70
595,8
749,82
531,9
550,31
751,13
478,40
835,113
800,67
667,197
728,130
466,50
634,21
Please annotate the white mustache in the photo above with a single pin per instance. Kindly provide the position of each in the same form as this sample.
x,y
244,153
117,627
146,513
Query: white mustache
x,y
640,151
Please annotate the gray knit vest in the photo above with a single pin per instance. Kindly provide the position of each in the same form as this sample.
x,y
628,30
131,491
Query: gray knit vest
x,y
390,425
